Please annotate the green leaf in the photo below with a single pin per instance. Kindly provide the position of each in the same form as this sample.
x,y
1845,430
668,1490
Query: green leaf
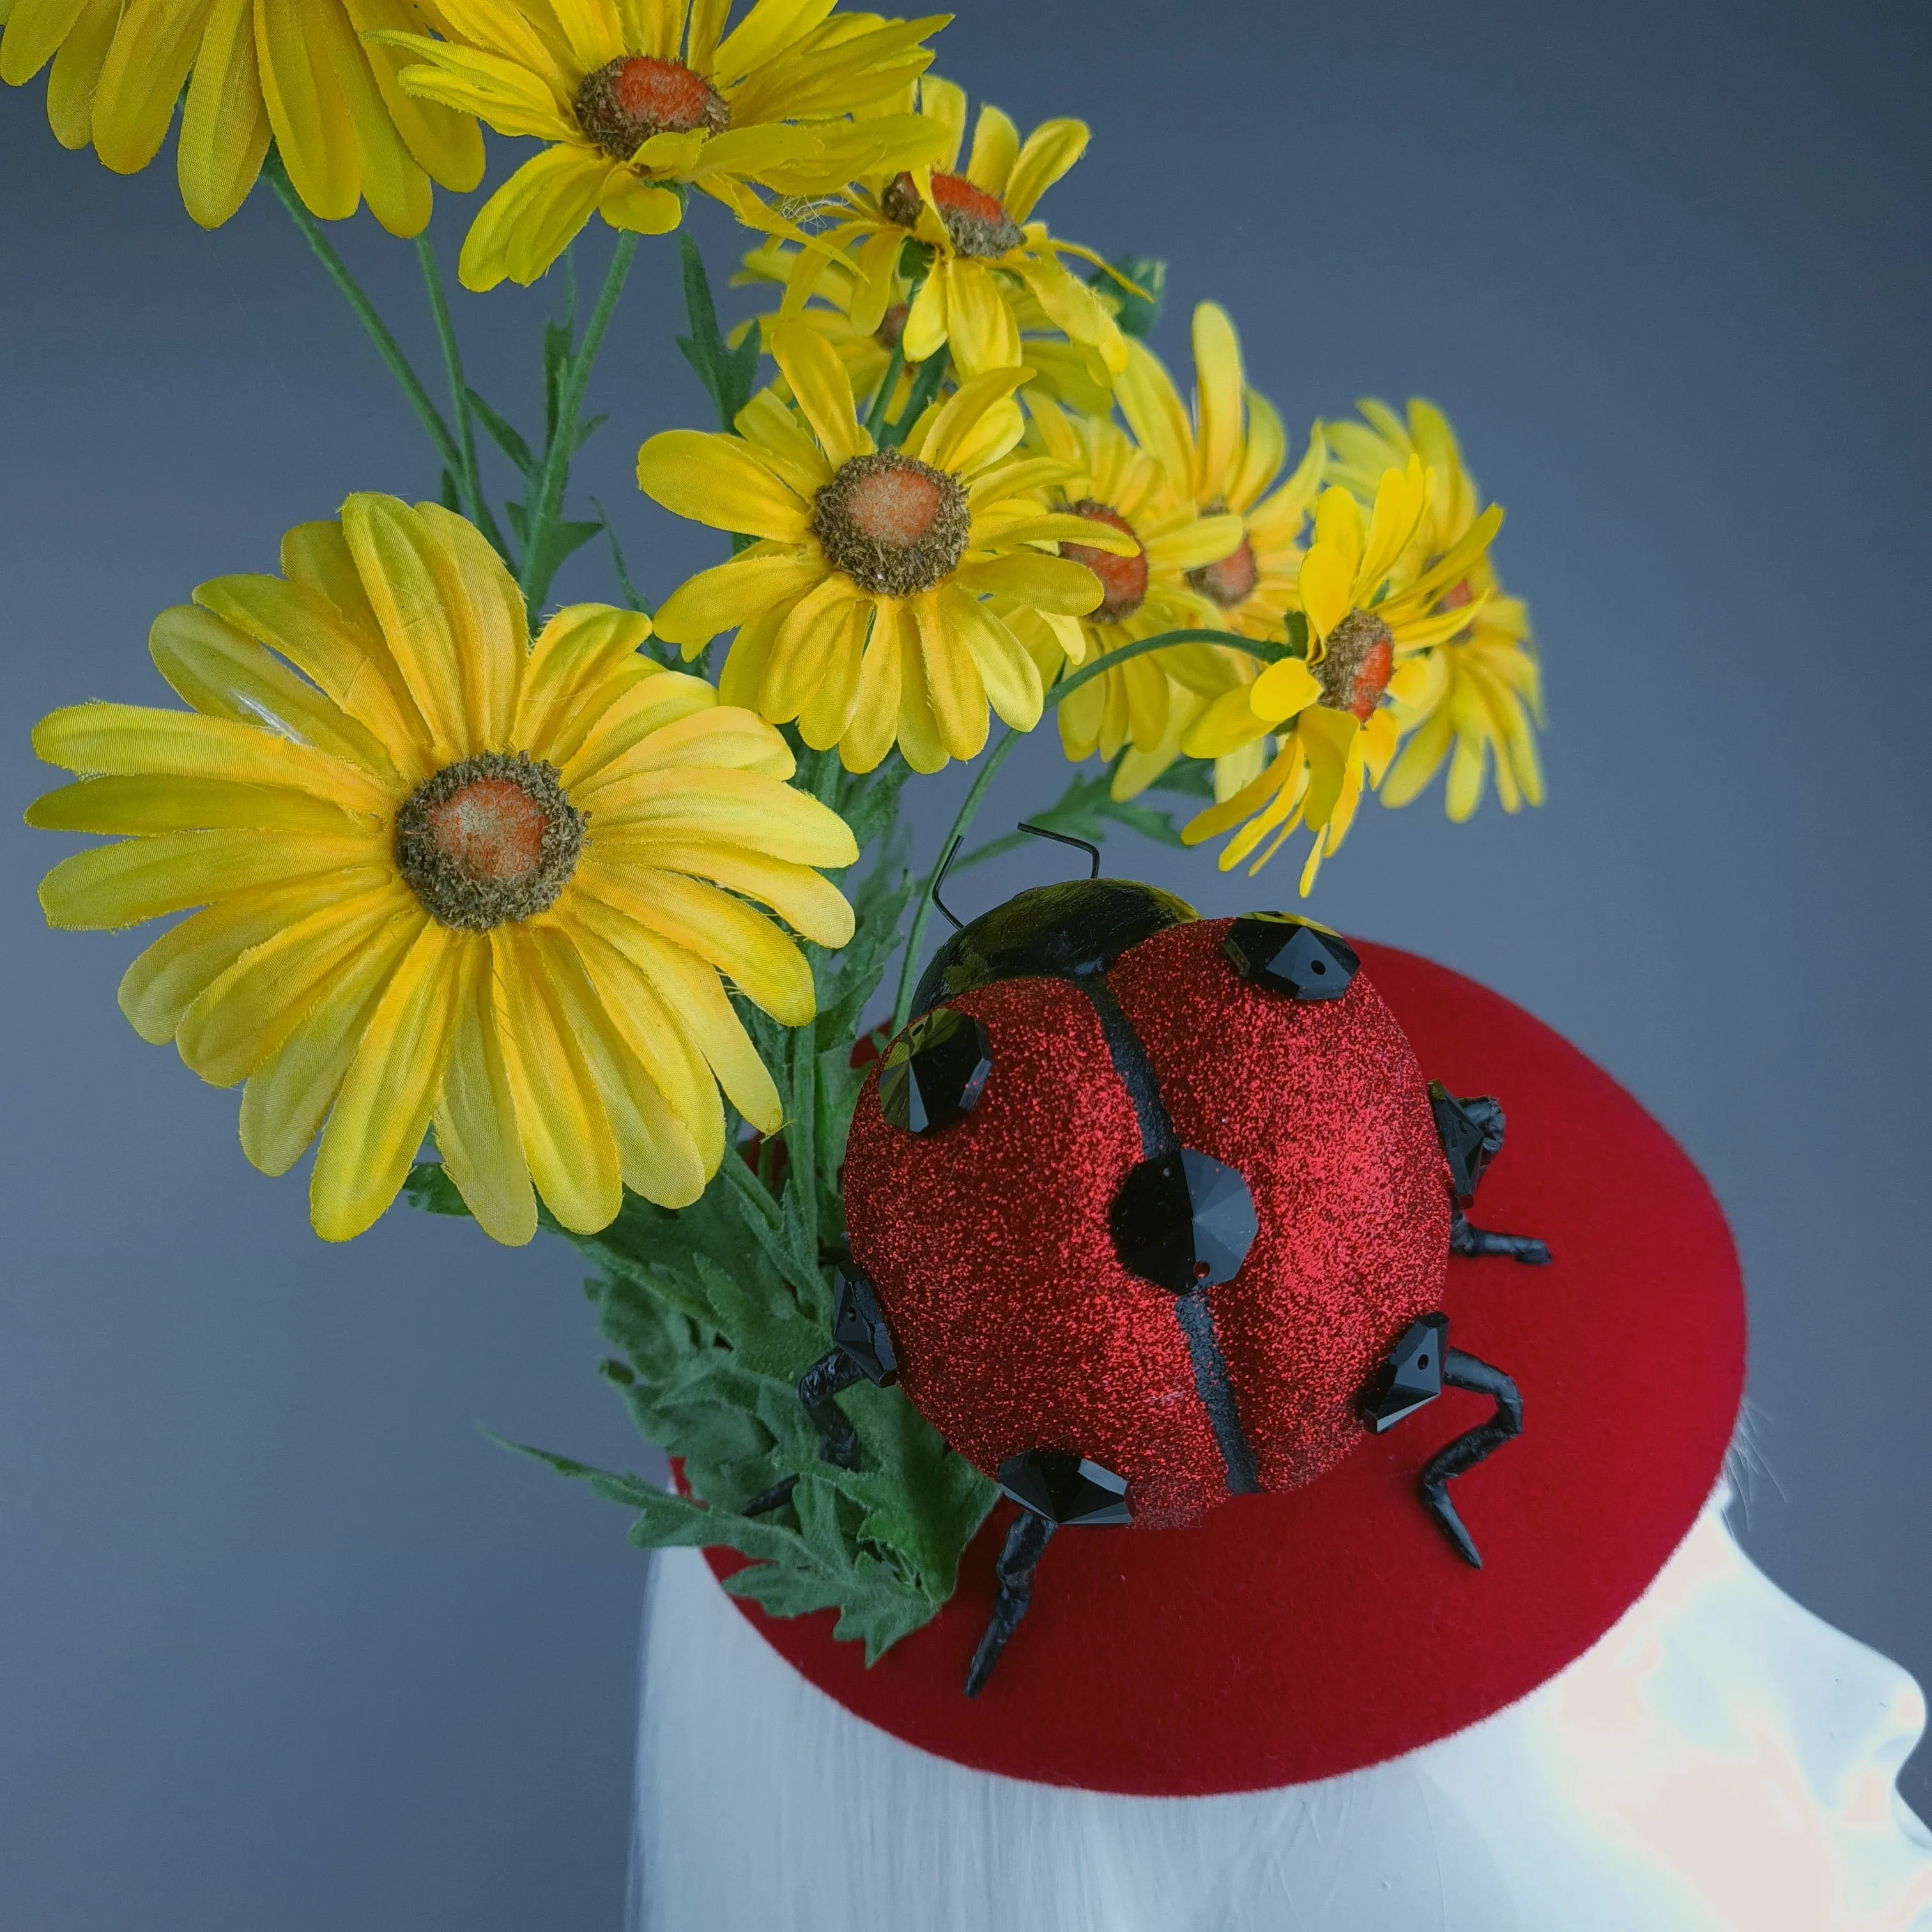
x,y
1135,309
557,344
729,376
1298,634
1192,777
560,539
503,436
450,498
429,1188
632,600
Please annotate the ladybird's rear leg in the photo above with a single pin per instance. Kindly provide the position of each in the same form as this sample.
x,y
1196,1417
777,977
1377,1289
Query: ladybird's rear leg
x,y
1026,1542
1053,1489
1417,1370
1455,1458
1471,1131
862,1349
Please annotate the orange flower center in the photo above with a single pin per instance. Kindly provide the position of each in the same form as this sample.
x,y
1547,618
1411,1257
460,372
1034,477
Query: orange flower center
x,y
895,526
490,830
1355,670
623,104
1123,580
894,506
1231,581
489,840
976,222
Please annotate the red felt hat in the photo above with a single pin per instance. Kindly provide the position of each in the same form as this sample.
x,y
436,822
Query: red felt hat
x,y
1301,1634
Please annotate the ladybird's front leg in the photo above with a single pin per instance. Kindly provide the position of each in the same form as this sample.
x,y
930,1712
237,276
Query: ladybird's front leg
x,y
861,1350
1471,1131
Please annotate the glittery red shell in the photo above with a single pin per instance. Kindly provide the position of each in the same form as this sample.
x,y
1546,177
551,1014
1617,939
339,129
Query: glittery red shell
x,y
1017,1325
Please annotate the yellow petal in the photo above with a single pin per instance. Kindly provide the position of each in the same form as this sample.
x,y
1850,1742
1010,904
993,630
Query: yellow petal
x,y
996,144
1218,386
530,213
956,691
487,623
203,657
447,144
625,202
35,29
393,1084
784,446
954,428
1050,149
307,108
733,593
945,103
979,322
134,806
691,996
289,1096
924,329
171,974
645,720
246,1014
579,651
1031,578
1204,540
128,739
455,82
874,721
477,1132
76,70
656,1155
817,378
1325,585
805,647
718,480
810,904
224,121
1327,737
394,552
1282,690
394,185
1154,412
141,79
1229,723
1009,676
760,814
1400,498
743,943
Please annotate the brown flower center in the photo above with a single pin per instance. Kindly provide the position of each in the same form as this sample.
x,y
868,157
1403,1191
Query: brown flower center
x,y
1123,580
1232,581
624,102
1354,672
489,840
893,525
977,222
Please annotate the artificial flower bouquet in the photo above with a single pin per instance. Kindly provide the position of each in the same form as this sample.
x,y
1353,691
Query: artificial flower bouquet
x,y
582,917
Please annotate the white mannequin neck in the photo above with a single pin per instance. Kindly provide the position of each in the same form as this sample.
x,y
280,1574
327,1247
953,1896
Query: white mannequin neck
x,y
1721,1759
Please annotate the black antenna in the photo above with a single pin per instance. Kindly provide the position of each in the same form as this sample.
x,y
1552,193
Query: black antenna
x,y
1040,832
939,879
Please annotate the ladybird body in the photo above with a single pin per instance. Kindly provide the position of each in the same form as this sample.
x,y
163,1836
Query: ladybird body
x,y
1128,1198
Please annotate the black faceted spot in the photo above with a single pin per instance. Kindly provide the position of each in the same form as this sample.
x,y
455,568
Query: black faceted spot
x,y
1291,955
860,1329
934,1072
1471,1133
1065,1489
1411,1377
1183,1221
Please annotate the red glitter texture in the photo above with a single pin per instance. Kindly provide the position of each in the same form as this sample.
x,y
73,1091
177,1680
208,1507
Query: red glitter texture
x,y
1306,1633
1017,1326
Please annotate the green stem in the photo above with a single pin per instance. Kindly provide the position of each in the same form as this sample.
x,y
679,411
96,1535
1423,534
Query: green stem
x,y
469,477
909,966
875,417
386,346
535,578
925,387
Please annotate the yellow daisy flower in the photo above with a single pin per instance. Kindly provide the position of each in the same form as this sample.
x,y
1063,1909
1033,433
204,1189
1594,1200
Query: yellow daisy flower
x,y
1231,452
1485,697
298,70
1373,610
864,609
446,877
637,98
1112,484
984,249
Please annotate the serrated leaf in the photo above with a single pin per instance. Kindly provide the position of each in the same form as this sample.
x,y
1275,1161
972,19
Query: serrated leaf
x,y
450,498
429,1188
729,377
1192,777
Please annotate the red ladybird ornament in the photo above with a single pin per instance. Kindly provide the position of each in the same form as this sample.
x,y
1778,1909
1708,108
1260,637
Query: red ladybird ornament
x,y
1145,1211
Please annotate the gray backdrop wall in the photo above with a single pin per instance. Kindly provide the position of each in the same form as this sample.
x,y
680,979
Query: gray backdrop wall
x,y
283,1641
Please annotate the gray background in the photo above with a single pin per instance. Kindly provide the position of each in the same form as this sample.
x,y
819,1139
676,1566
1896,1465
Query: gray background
x,y
283,1641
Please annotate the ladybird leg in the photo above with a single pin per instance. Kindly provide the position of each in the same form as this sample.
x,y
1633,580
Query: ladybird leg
x,y
1466,1238
1026,1540
1467,1372
776,1497
838,1440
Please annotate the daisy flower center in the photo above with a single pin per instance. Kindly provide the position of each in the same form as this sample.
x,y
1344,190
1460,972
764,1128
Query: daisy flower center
x,y
977,222
1123,580
893,525
1355,671
489,840
623,104
1231,581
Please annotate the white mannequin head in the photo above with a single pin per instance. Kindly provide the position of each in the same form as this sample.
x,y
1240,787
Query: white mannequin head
x,y
1721,1761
